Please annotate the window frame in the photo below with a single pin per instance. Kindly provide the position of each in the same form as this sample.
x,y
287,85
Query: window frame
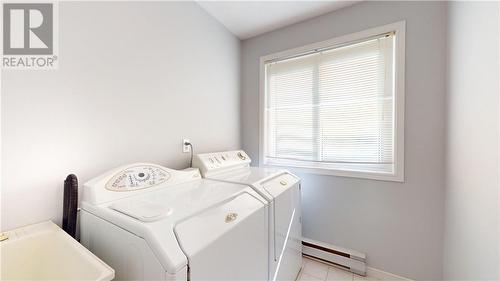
x,y
399,29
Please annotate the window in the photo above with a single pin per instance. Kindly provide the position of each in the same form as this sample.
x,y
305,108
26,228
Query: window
x,y
337,107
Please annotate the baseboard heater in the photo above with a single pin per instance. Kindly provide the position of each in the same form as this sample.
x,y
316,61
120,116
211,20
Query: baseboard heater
x,y
349,259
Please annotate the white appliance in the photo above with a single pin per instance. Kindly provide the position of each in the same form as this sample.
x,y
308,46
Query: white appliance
x,y
44,251
149,222
281,189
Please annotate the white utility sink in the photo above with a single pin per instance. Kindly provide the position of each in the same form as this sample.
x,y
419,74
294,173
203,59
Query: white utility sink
x,y
44,251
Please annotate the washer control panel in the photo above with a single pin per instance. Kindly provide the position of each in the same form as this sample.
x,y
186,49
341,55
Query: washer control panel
x,y
137,177
133,179
220,161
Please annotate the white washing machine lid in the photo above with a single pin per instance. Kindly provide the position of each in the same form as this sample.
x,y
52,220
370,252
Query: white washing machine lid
x,y
270,181
247,175
199,230
228,241
174,203
142,210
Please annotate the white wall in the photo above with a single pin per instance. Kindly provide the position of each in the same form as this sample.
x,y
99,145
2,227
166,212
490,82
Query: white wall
x,y
398,225
472,240
134,78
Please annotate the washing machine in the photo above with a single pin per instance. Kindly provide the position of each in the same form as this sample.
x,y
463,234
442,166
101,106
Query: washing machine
x,y
149,222
281,189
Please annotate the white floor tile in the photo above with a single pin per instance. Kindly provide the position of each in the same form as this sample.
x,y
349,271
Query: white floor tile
x,y
364,278
337,274
304,261
316,269
307,277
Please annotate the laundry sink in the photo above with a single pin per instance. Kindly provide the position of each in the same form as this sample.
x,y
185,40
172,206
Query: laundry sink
x,y
44,251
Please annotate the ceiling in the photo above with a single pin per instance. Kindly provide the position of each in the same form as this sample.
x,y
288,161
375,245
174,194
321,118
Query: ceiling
x,y
246,19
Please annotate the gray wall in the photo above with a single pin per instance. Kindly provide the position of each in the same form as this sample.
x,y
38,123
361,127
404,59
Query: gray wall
x,y
398,225
472,240
127,89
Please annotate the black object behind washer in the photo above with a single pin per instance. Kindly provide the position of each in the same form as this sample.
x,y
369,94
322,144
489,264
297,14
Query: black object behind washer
x,y
70,204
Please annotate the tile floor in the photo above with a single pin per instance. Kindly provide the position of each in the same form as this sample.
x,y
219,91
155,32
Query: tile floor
x,y
317,271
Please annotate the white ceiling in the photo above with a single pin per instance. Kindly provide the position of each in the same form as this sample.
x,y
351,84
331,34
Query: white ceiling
x,y
246,19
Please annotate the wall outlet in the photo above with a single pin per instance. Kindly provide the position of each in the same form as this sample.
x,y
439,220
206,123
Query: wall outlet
x,y
186,148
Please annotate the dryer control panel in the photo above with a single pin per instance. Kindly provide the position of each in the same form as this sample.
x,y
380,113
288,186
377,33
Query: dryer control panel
x,y
220,161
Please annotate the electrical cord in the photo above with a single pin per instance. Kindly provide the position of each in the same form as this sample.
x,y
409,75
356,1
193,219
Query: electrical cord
x,y
192,152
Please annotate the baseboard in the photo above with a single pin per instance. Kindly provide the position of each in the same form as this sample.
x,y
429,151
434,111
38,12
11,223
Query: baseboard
x,y
382,275
348,259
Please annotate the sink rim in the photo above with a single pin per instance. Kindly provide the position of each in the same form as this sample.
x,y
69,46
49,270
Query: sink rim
x,y
42,229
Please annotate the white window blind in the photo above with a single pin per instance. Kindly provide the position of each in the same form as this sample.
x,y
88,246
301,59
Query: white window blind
x,y
333,109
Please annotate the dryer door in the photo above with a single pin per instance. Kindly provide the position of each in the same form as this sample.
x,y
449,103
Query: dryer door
x,y
286,232
228,241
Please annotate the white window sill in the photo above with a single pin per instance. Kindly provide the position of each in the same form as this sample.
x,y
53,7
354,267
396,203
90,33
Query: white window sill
x,y
381,176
